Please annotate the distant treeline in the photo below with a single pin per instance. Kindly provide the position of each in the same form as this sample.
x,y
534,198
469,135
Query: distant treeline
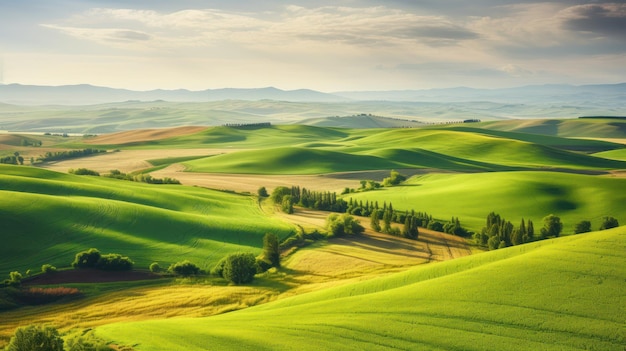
x,y
328,201
247,125
64,155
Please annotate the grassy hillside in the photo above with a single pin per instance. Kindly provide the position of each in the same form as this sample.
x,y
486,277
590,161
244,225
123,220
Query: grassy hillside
x,y
48,217
576,128
531,195
563,294
321,150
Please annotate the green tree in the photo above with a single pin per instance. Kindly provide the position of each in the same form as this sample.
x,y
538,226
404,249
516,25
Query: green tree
x,y
375,221
552,226
184,268
86,259
345,224
48,268
36,338
262,192
394,178
239,268
608,223
271,249
582,227
155,267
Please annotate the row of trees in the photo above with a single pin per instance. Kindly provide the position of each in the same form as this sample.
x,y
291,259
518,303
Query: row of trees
x,y
142,178
92,258
13,159
328,201
63,155
499,233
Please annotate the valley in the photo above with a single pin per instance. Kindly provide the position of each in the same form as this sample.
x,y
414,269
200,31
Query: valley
x,y
375,290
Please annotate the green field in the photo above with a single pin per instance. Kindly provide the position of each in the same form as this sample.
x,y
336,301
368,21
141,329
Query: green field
x,y
563,294
514,195
558,294
50,216
321,150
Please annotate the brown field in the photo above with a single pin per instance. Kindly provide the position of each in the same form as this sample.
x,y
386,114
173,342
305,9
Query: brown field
x,y
125,160
141,135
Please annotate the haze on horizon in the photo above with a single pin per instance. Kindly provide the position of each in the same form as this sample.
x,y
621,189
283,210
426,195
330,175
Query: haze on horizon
x,y
323,45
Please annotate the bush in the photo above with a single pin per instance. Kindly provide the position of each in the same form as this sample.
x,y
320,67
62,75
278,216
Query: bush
x,y
86,259
395,178
436,226
345,224
262,192
35,338
608,223
154,267
582,227
114,262
184,268
15,279
239,268
84,171
218,270
48,268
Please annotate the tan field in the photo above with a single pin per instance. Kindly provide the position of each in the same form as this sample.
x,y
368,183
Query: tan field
x,y
141,135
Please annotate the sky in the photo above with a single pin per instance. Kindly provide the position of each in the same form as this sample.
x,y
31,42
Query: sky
x,y
339,45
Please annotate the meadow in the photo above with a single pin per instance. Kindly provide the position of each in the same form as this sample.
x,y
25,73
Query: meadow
x,y
370,292
520,298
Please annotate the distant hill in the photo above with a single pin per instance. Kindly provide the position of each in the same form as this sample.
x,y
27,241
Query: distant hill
x,y
85,94
554,93
361,121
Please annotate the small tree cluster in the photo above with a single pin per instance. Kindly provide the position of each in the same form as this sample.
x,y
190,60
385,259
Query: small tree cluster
x,y
84,171
271,249
63,155
237,268
142,178
344,224
394,178
184,268
499,233
608,223
92,258
47,338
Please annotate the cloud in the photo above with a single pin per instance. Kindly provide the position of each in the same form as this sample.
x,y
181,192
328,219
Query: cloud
x,y
607,19
344,25
104,35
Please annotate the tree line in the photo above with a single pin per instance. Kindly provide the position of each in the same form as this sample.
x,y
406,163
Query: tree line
x,y
63,155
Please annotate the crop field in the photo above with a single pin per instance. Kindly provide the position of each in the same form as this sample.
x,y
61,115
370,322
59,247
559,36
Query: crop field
x,y
518,298
375,291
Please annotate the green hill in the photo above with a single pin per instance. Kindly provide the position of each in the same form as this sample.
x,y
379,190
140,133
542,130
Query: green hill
x,y
562,294
48,217
531,195
571,128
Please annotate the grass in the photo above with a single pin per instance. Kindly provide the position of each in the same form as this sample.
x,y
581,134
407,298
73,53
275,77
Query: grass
x,y
531,195
519,298
49,216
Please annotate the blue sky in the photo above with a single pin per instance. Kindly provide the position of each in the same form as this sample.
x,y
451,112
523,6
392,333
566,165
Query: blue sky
x,y
323,45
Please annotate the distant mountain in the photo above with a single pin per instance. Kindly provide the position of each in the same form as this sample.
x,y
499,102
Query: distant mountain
x,y
552,93
85,94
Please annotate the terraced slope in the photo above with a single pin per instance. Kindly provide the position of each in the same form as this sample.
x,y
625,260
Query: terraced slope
x,y
48,217
562,294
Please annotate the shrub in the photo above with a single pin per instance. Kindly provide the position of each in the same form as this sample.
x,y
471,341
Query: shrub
x,y
436,226
86,341
114,262
184,268
154,267
608,223
84,171
582,227
345,224
271,249
36,338
395,178
48,268
15,279
262,192
239,268
86,259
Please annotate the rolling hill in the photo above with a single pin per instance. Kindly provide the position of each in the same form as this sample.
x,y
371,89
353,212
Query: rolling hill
x,y
562,294
48,217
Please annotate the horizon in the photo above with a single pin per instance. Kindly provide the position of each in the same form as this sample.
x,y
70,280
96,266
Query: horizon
x,y
325,46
